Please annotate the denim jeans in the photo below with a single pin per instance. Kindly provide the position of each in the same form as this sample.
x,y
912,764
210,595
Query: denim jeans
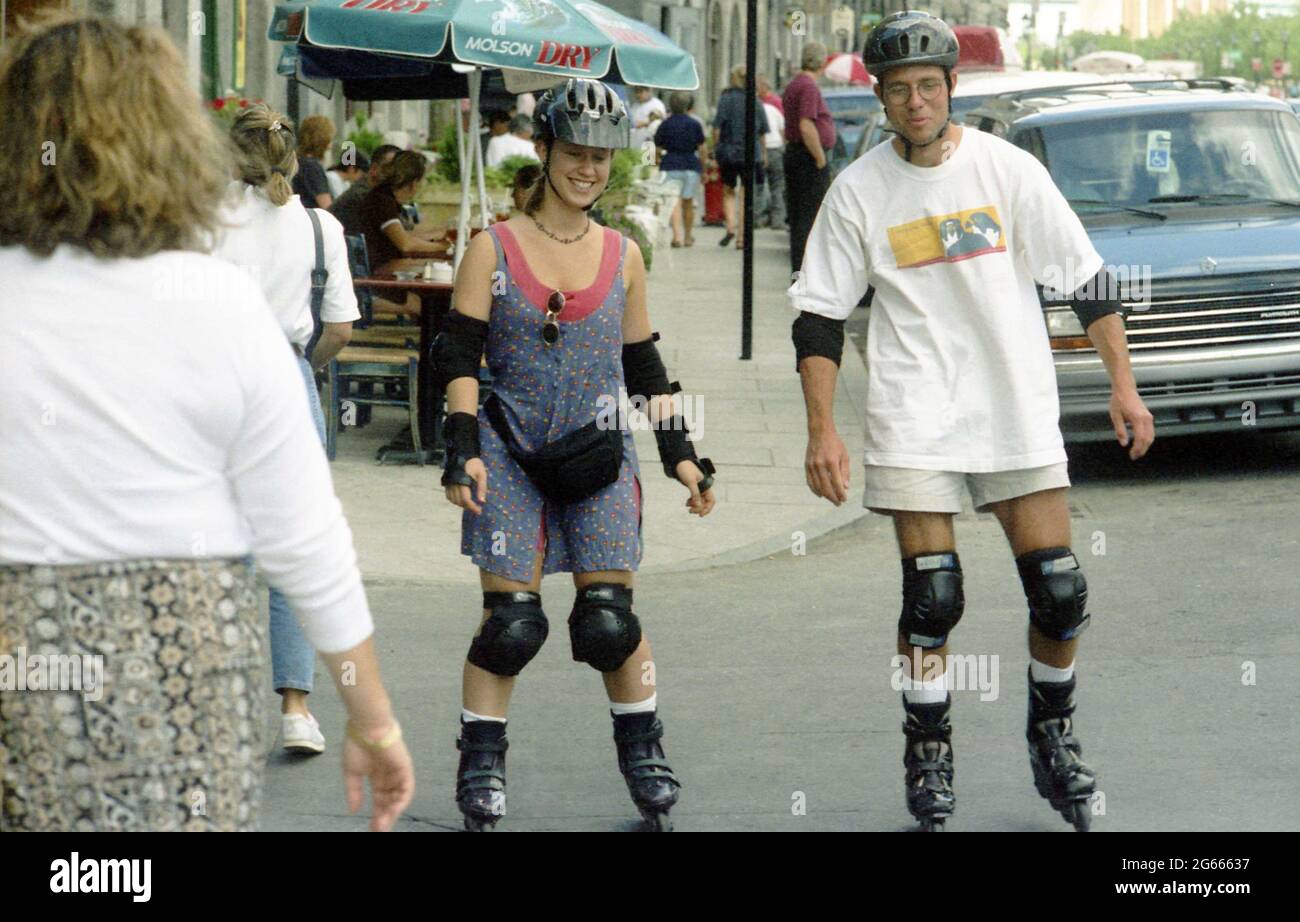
x,y
293,659
772,195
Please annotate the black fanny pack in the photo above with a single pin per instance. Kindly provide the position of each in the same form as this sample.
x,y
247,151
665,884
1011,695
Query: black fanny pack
x,y
571,468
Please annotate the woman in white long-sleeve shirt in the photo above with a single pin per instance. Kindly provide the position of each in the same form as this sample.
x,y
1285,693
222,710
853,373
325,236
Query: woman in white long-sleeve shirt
x,y
267,231
153,434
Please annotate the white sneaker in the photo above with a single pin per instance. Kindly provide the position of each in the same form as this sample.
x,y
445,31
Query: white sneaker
x,y
301,734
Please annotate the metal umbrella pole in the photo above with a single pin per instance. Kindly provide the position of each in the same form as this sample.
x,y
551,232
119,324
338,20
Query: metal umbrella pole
x,y
462,135
747,188
475,87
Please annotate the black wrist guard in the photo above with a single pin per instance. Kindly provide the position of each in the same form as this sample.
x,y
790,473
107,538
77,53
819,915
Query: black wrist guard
x,y
675,447
460,434
458,350
814,334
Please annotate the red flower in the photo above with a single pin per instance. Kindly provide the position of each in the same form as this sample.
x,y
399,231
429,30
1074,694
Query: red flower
x,y
243,104
218,104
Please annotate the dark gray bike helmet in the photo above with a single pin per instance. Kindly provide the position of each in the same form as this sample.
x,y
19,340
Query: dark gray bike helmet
x,y
908,38
585,112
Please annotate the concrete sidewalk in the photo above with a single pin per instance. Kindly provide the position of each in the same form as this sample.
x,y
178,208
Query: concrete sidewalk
x,y
751,423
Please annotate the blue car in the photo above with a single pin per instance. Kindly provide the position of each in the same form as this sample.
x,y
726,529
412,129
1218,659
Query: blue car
x,y
1190,191
854,109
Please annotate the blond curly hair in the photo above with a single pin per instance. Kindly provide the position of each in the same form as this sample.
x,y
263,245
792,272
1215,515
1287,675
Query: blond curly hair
x,y
105,146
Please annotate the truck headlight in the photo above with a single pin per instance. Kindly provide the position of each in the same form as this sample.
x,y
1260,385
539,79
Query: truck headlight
x,y
1064,329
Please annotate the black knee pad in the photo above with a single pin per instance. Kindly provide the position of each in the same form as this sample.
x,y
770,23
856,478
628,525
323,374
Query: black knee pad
x,y
933,601
512,634
1056,590
602,628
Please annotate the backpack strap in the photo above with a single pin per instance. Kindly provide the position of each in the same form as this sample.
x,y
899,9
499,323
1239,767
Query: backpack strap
x,y
319,276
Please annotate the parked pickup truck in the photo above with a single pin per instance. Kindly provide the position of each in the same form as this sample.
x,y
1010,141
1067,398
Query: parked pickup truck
x,y
1190,190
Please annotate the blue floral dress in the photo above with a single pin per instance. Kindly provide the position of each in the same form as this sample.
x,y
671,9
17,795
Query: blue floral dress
x,y
548,391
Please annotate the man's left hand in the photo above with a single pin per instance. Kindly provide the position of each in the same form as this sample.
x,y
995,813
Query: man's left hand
x,y
1127,411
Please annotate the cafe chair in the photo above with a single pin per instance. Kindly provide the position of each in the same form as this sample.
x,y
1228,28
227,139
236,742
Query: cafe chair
x,y
368,332
363,376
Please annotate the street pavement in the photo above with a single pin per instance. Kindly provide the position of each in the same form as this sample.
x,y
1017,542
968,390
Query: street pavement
x,y
774,667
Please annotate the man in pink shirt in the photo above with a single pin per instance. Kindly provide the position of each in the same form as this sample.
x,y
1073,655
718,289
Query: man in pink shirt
x,y
809,134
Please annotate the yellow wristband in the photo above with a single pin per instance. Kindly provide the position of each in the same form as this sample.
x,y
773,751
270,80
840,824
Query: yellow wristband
x,y
390,738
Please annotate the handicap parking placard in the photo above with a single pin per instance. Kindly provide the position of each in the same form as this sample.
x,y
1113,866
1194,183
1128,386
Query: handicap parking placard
x,y
1158,151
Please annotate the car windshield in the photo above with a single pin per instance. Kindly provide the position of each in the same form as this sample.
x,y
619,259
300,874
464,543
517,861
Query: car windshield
x,y
1170,156
962,105
852,108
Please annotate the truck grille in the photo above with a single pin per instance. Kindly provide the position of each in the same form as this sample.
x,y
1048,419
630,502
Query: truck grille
x,y
1192,319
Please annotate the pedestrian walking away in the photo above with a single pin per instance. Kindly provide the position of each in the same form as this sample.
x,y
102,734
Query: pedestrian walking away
x,y
169,370
729,153
680,141
771,207
953,228
266,230
549,483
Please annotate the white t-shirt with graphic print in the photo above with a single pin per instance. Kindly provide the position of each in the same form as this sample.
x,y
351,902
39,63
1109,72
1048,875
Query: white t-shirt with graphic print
x,y
960,372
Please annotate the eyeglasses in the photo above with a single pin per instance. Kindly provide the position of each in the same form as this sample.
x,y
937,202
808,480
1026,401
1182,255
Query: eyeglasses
x,y
899,93
551,328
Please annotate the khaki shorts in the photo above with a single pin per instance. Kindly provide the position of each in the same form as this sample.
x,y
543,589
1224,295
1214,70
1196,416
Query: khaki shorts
x,y
905,489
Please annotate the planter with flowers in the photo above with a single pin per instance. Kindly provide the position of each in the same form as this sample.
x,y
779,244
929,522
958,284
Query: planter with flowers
x,y
227,108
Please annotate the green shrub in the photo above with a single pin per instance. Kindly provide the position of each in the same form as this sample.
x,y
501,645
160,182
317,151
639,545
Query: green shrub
x,y
364,139
448,156
618,222
623,169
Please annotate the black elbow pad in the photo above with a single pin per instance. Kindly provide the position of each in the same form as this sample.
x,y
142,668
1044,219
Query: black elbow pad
x,y
458,349
644,373
814,334
1097,297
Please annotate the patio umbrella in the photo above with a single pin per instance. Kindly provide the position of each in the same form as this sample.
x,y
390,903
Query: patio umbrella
x,y
848,69
430,49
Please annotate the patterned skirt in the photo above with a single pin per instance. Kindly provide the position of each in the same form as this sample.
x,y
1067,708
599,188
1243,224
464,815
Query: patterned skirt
x,y
172,737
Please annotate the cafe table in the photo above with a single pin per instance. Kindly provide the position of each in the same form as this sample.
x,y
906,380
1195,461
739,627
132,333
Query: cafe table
x,y
435,302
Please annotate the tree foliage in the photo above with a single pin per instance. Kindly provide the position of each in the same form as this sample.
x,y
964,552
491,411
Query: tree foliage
x,y
1205,38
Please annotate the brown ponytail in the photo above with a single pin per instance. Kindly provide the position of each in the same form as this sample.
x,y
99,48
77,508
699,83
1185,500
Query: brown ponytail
x,y
265,142
537,194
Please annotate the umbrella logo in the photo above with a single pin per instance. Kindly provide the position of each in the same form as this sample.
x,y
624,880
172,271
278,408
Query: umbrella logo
x,y
558,54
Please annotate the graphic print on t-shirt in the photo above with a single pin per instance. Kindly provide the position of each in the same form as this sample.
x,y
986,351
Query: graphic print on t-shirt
x,y
947,238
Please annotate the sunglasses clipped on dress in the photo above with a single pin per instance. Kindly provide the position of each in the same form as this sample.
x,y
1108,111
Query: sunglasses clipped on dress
x,y
551,328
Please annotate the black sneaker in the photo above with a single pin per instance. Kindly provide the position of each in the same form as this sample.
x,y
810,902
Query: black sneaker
x,y
726,240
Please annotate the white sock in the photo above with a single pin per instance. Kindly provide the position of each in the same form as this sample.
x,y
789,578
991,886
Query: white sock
x,y
926,691
1045,673
468,715
636,707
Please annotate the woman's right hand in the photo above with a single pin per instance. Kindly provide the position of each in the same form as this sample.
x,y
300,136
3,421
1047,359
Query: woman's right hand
x,y
463,496
392,781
